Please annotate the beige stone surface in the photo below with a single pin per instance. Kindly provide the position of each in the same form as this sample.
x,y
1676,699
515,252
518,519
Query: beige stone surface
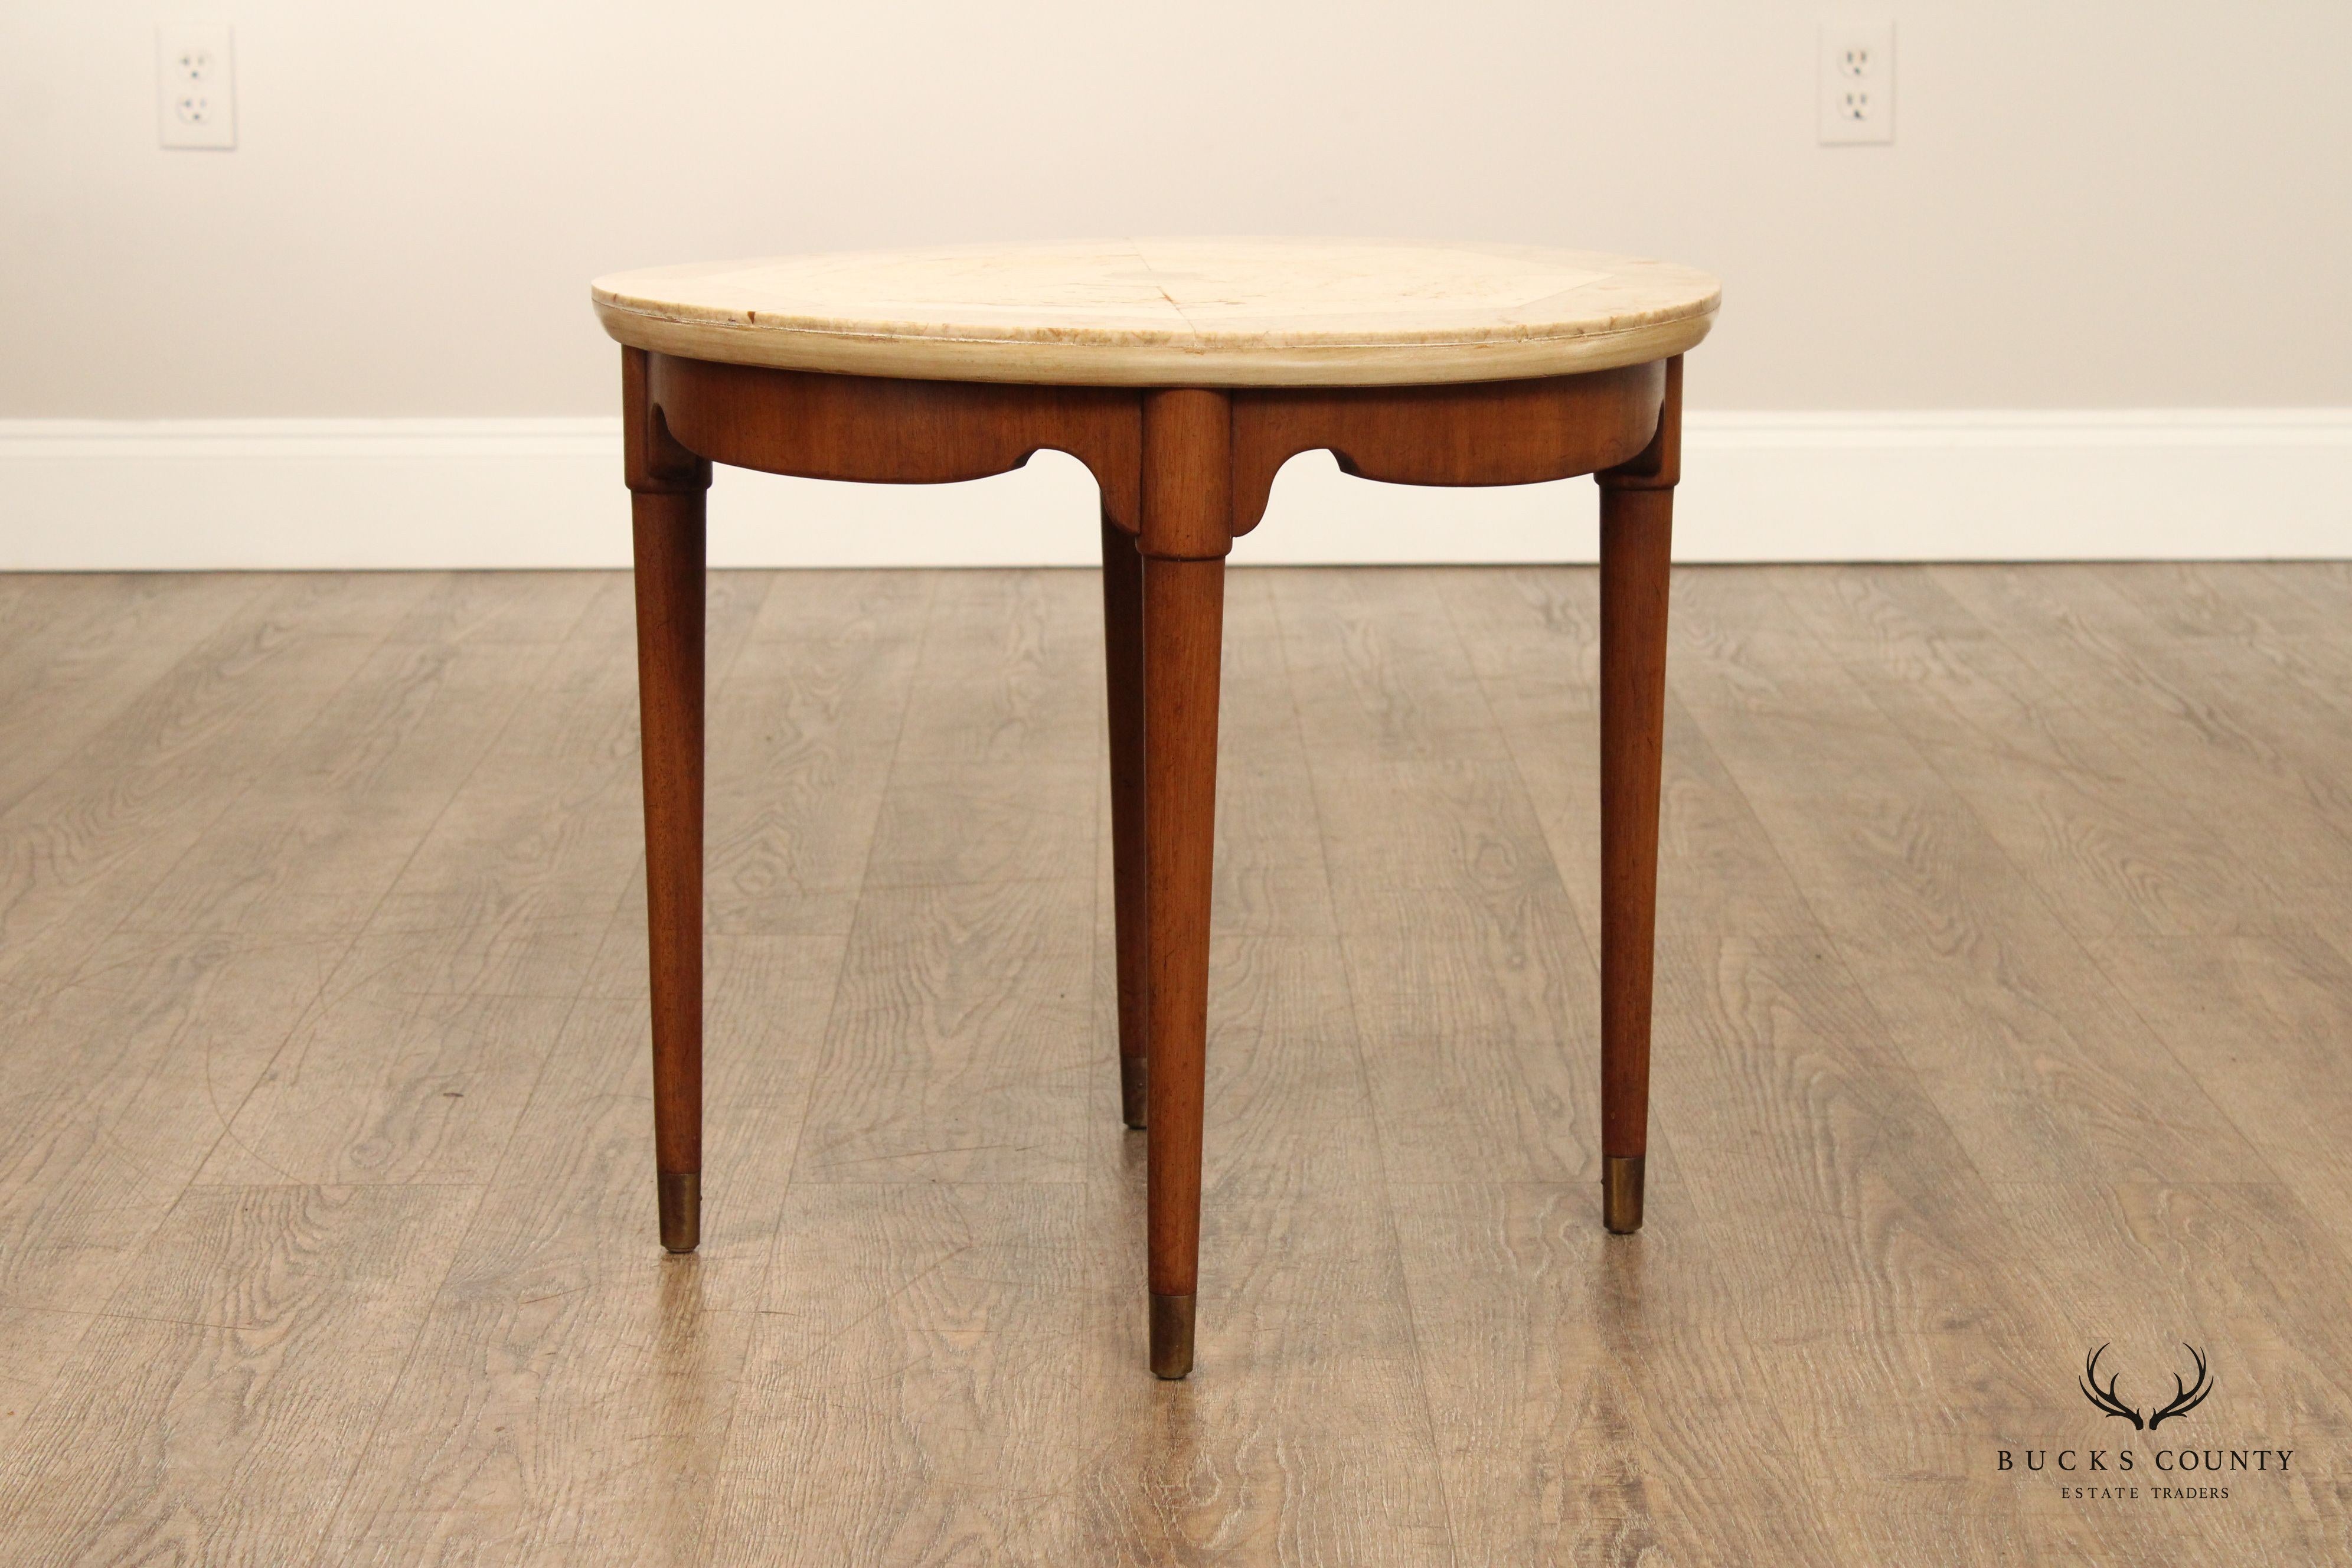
x,y
1218,312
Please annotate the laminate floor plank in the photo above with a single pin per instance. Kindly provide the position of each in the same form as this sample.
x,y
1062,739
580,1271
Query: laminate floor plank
x,y
1378,671
1287,1094
400,1074
2024,1044
1533,633
934,1068
382,1084
1481,1042
1011,670
1473,986
800,737
2250,606
1592,1401
955,824
2109,842
508,609
214,1407
314,845
908,1396
571,1385
26,608
118,1086
2262,1022
512,891
2163,1273
1312,1445
2239,736
92,840
74,649
1270,874
123,1078
2324,585
1860,1212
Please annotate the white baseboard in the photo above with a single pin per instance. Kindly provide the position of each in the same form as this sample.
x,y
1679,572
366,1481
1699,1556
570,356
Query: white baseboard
x,y
78,495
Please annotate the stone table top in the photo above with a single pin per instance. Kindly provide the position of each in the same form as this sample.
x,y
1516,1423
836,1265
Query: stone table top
x,y
1173,312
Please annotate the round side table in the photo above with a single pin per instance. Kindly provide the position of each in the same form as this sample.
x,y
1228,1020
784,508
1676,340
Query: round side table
x,y
1183,374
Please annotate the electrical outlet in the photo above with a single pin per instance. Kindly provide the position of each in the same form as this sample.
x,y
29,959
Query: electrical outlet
x,y
195,86
1857,82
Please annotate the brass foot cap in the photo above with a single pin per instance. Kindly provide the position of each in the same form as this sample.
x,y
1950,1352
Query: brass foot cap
x,y
1172,1335
681,1209
1621,1193
1134,1089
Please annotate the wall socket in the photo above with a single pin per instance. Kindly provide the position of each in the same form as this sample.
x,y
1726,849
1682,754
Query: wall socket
x,y
195,86
1857,82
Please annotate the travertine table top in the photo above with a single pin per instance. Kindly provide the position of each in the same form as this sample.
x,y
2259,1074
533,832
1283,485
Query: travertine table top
x,y
1173,312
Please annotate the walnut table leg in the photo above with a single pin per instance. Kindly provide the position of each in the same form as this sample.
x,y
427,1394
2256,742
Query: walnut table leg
x,y
1185,535
668,487
1636,535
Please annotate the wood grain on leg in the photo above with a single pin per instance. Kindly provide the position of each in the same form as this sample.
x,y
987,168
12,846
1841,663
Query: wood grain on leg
x,y
1637,504
1123,667
1185,535
1183,624
668,487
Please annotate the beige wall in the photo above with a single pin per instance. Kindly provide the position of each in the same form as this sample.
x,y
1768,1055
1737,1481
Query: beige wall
x,y
2102,203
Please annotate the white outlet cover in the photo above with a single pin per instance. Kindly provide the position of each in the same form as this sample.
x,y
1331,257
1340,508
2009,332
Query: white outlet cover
x,y
1854,83
195,86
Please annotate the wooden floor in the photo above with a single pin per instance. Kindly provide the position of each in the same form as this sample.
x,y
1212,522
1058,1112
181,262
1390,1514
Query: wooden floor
x,y
2004,1002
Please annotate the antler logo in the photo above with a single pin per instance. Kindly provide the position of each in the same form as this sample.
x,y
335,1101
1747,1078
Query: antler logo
x,y
2185,1396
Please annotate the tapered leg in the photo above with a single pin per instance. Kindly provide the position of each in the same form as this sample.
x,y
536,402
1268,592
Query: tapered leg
x,y
1123,663
1186,531
669,553
668,487
1635,530
1183,620
1636,534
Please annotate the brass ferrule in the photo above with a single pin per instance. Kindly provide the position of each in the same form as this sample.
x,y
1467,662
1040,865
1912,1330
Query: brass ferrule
x,y
1172,1335
681,1209
1621,1193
